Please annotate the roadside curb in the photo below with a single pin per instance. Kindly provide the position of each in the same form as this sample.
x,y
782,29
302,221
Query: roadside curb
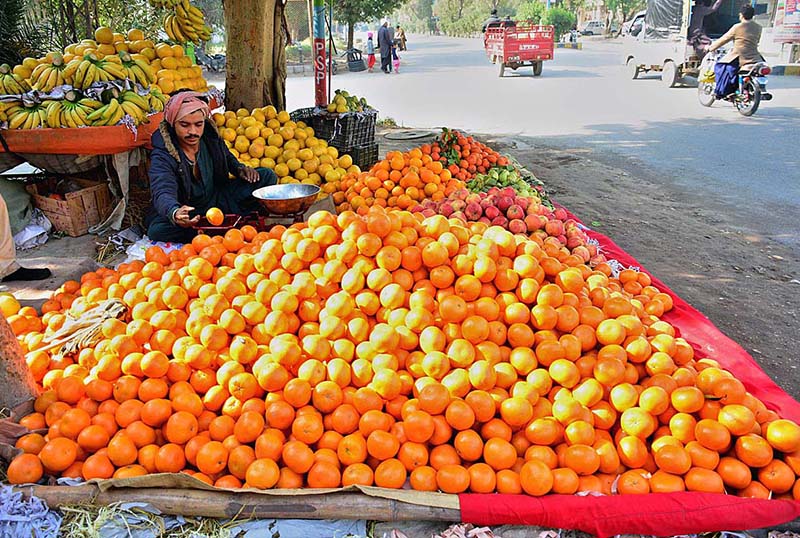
x,y
791,70
576,46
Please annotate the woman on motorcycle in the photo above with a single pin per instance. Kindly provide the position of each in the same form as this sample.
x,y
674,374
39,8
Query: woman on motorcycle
x,y
745,36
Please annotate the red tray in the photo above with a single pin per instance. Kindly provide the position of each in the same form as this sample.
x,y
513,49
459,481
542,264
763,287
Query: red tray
x,y
205,227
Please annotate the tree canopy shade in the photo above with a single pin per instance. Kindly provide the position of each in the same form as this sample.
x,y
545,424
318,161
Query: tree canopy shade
x,y
355,11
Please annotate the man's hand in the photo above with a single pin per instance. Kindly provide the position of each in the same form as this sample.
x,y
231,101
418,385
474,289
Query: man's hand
x,y
248,174
183,219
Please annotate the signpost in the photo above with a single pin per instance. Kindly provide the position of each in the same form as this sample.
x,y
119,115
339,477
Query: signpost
x,y
320,90
787,21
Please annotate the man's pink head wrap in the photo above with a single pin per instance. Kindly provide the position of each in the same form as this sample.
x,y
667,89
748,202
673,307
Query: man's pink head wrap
x,y
184,103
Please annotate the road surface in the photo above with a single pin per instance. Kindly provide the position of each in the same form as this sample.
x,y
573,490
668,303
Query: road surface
x,y
584,99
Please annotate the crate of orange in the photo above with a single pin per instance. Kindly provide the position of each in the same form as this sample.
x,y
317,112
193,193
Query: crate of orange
x,y
401,181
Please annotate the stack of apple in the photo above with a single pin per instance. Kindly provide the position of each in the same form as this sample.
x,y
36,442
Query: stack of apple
x,y
518,214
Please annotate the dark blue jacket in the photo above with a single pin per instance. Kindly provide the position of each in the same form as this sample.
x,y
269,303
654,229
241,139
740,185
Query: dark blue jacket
x,y
170,173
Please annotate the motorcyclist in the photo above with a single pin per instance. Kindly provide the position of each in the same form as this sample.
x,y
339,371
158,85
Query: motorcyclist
x,y
492,21
745,36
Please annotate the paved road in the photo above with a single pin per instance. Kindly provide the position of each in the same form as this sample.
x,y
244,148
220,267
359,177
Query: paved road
x,y
584,99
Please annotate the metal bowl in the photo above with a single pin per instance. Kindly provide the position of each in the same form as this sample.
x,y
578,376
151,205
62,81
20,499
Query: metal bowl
x,y
287,199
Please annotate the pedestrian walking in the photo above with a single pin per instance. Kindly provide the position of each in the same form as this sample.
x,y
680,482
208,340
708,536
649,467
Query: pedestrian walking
x,y
400,35
385,47
370,52
395,57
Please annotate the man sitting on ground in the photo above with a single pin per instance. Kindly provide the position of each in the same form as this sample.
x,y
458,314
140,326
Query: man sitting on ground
x,y
189,171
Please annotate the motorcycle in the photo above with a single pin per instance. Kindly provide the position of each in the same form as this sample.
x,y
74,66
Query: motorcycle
x,y
750,91
212,62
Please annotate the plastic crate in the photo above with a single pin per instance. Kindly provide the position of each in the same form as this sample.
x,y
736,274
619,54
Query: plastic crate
x,y
346,130
364,156
73,212
305,115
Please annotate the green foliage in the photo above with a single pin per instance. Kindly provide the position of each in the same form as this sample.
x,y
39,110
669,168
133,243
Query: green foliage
x,y
560,18
212,9
416,16
354,11
20,37
624,9
463,17
531,11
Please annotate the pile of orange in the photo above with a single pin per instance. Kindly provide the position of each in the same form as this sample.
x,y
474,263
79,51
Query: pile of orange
x,y
464,156
401,181
384,349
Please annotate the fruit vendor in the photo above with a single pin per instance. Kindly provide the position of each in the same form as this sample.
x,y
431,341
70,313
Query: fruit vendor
x,y
190,169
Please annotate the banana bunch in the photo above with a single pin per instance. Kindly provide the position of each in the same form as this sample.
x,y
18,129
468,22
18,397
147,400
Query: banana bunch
x,y
137,68
22,116
134,105
187,24
109,114
168,4
156,99
48,75
85,71
70,114
12,83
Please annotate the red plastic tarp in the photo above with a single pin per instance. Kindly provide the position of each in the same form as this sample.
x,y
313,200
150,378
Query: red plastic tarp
x,y
655,514
661,514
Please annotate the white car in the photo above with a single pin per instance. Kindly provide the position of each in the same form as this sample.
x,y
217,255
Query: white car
x,y
593,28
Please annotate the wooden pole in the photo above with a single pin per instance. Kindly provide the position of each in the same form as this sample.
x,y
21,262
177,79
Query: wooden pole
x,y
218,504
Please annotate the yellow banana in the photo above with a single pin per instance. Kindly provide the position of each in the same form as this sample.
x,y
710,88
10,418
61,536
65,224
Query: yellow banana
x,y
54,114
147,70
17,120
136,99
113,107
69,70
133,111
80,73
32,118
97,114
52,80
115,70
90,103
38,71
69,120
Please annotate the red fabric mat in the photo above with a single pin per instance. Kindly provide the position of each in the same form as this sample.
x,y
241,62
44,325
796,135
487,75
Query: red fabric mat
x,y
656,514
661,514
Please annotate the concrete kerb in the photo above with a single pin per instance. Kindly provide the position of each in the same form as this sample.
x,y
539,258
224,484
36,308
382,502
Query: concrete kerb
x,y
788,70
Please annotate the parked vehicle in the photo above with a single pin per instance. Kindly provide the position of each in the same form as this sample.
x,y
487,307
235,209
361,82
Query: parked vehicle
x,y
519,45
595,27
751,90
663,45
633,26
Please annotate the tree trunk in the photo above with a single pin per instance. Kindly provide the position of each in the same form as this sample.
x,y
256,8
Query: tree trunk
x,y
15,377
350,32
256,50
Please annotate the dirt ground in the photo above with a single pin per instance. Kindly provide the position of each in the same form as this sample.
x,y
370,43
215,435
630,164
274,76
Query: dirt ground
x,y
747,284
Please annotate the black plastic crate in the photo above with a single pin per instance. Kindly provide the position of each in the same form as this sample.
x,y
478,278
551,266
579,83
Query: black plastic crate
x,y
306,115
364,156
346,130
